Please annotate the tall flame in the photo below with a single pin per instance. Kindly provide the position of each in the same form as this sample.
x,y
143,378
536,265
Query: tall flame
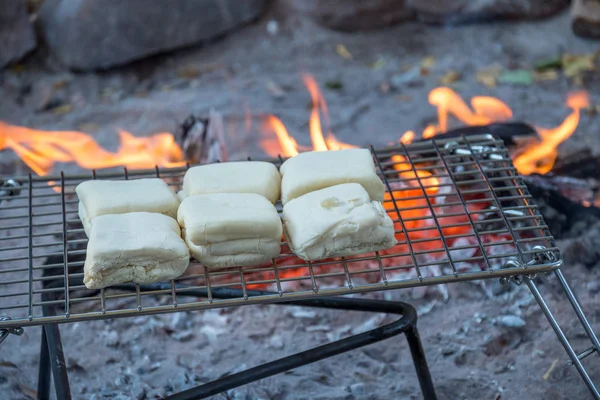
x,y
483,110
540,158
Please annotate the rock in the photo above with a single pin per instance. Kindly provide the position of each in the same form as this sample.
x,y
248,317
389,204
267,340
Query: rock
x,y
17,37
511,321
112,338
99,34
585,18
357,389
183,336
466,11
355,15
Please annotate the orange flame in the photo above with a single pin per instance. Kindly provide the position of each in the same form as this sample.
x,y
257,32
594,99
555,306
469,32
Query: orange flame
x,y
540,158
448,102
41,149
289,147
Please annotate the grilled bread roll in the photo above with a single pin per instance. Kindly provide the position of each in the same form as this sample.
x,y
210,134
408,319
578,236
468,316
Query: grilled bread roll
x,y
336,221
234,177
316,170
225,230
137,247
100,197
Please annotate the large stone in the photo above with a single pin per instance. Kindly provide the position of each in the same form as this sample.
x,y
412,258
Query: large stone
x,y
98,34
17,36
355,15
467,11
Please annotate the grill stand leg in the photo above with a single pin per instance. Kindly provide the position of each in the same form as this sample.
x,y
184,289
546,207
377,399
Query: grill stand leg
x,y
44,371
559,332
52,359
406,325
418,356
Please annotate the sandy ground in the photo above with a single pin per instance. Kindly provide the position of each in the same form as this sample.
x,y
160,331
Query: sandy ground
x,y
478,347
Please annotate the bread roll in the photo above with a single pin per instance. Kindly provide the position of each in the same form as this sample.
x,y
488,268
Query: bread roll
x,y
336,221
234,177
225,230
137,247
99,197
316,170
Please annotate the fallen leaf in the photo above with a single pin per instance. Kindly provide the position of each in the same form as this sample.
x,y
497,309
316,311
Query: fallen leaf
x,y
576,64
8,364
17,68
427,62
87,127
488,76
378,64
384,87
450,77
546,75
516,77
592,109
275,90
546,376
334,85
64,109
141,94
577,80
59,84
548,63
343,52
404,98
189,72
28,392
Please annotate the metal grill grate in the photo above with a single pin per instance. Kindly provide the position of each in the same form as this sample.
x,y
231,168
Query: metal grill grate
x,y
460,211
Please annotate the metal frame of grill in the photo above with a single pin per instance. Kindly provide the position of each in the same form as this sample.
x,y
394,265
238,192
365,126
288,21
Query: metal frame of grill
x,y
461,212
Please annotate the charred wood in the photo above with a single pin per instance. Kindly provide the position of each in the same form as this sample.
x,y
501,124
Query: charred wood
x,y
560,200
202,140
582,164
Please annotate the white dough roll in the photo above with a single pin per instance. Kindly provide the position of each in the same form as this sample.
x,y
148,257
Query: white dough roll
x,y
234,177
226,230
100,197
316,170
135,247
337,221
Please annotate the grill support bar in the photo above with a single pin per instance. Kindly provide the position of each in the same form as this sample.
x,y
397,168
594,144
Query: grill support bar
x,y
407,325
575,360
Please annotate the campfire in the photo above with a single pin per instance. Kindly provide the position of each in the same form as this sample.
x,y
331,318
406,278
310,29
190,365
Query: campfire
x,y
432,229
478,189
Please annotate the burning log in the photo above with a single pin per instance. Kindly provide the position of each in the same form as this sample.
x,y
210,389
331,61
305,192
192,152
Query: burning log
x,y
511,133
582,164
203,140
585,18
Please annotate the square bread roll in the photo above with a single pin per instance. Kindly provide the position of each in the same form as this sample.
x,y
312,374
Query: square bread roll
x,y
316,170
336,221
137,247
99,197
226,230
234,177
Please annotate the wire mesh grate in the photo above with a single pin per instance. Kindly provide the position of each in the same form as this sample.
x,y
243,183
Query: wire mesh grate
x,y
459,209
